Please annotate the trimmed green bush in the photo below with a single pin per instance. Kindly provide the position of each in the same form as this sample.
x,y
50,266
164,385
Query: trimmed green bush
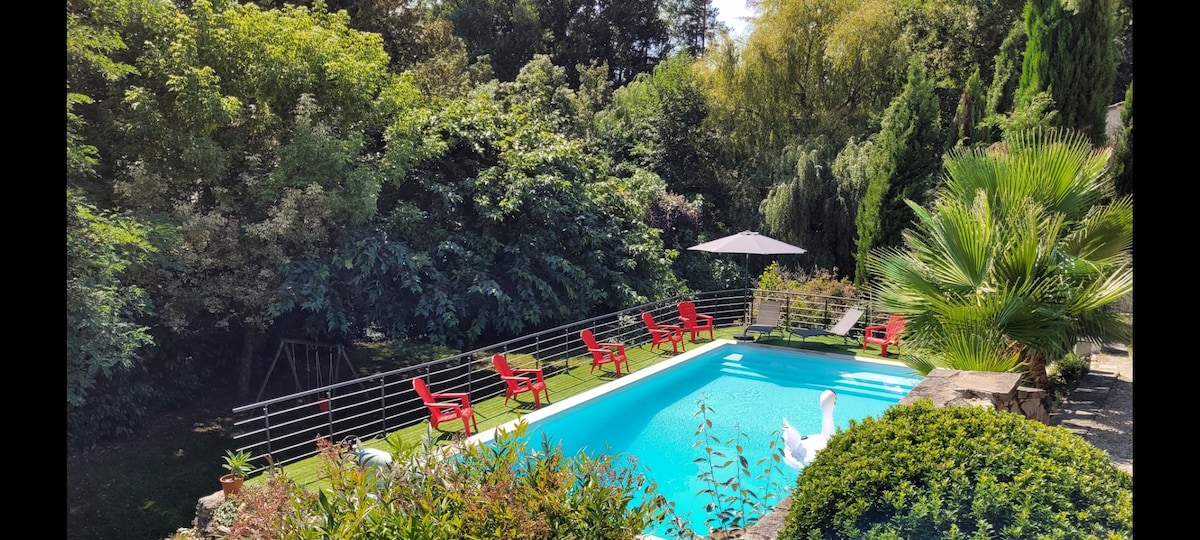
x,y
959,472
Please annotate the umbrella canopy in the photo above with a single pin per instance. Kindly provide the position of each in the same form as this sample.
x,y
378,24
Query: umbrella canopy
x,y
749,242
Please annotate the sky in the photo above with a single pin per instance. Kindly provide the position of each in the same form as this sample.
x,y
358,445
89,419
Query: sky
x,y
732,12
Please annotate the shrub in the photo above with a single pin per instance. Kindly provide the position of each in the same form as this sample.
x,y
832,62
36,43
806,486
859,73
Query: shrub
x,y
810,308
738,493
264,506
499,490
1065,374
959,472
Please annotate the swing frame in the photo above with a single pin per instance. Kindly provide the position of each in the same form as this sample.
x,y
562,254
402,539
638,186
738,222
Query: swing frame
x,y
312,350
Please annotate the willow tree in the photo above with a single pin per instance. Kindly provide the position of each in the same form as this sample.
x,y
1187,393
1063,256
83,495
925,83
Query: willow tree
x,y
810,67
812,206
1014,261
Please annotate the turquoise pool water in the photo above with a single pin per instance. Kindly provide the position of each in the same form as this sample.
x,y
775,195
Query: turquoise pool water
x,y
654,418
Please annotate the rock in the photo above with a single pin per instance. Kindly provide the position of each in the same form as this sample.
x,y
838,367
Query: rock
x,y
205,508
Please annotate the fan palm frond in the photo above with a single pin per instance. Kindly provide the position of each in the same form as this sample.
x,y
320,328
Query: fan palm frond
x,y
1014,260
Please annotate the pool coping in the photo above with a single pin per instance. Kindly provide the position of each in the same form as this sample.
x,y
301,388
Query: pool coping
x,y
489,435
549,410
630,378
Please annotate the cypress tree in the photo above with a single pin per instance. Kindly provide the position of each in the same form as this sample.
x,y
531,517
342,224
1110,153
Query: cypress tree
x,y
906,161
966,128
1123,155
1070,54
1005,77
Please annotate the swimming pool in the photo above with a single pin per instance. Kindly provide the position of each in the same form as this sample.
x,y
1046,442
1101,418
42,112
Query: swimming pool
x,y
651,414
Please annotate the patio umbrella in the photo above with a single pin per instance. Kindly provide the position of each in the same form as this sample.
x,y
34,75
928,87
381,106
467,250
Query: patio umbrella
x,y
748,243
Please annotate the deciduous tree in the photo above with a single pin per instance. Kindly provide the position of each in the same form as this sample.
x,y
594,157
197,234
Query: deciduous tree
x,y
106,310
244,131
508,32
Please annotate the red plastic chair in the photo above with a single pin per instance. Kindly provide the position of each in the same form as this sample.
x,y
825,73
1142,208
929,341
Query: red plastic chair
x,y
884,335
695,322
663,333
441,411
604,353
521,380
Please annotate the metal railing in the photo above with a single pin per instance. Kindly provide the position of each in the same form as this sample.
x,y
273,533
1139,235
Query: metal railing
x,y
285,428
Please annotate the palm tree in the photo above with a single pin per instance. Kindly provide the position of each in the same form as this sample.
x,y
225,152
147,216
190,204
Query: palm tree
x,y
1015,260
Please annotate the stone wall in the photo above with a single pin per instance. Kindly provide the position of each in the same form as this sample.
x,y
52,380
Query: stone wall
x,y
203,526
1000,391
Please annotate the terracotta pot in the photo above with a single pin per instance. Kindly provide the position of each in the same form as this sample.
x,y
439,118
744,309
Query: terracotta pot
x,y
231,484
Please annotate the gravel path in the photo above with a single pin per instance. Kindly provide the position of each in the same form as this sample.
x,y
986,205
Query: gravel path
x,y
1101,409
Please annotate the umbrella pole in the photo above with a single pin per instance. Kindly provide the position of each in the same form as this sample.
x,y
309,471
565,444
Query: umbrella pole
x,y
746,291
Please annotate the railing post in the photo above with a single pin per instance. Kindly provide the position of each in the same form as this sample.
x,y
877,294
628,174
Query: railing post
x,y
747,306
329,412
383,402
267,427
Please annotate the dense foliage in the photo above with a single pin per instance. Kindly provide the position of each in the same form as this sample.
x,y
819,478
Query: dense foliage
x,y
500,226
460,171
499,490
959,472
629,37
821,294
106,339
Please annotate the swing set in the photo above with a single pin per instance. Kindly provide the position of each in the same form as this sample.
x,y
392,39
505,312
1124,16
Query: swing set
x,y
322,366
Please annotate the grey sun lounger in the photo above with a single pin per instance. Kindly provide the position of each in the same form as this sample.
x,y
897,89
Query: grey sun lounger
x,y
842,328
766,319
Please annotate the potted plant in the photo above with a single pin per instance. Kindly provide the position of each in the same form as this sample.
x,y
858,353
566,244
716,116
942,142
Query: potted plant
x,y
238,465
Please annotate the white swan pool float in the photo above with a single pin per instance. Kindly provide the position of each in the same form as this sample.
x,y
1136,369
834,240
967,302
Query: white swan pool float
x,y
799,450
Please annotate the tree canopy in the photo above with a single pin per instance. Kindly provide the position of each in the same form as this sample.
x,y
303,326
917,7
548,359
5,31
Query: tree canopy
x,y
455,171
